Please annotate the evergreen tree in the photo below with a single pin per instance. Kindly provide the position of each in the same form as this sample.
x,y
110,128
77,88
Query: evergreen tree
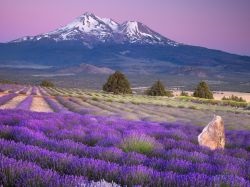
x,y
203,91
158,89
47,83
118,84
184,94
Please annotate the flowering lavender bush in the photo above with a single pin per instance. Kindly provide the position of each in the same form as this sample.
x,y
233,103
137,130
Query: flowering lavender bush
x,y
55,106
67,149
4,99
25,104
34,90
72,106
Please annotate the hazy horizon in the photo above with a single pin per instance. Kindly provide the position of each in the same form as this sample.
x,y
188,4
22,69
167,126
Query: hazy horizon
x,y
222,25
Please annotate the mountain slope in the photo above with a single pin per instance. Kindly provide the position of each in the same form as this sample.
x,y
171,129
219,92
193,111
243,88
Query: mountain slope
x,y
87,68
131,47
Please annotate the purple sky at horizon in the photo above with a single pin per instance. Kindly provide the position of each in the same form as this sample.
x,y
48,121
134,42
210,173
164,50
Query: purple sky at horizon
x,y
223,24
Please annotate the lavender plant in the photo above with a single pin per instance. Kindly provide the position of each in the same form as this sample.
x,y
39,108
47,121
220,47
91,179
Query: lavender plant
x,y
55,106
4,99
26,103
69,149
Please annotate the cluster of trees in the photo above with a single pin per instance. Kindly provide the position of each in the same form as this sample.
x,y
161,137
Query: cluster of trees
x,y
117,83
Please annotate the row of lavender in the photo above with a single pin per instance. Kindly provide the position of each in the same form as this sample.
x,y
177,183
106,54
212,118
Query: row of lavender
x,y
10,88
22,89
72,149
62,106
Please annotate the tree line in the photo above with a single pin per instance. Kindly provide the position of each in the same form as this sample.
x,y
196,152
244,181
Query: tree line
x,y
117,83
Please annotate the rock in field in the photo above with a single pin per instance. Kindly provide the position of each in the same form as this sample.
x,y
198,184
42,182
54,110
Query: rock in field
x,y
213,135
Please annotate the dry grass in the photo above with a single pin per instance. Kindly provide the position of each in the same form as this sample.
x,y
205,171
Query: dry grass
x,y
219,94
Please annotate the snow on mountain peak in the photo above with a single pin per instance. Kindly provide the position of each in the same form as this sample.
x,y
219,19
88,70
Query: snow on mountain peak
x,y
87,23
138,32
90,28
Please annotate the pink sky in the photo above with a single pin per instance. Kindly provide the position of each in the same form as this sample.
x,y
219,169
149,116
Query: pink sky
x,y
217,24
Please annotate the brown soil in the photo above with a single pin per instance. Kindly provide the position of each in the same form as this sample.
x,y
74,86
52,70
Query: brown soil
x,y
40,105
13,102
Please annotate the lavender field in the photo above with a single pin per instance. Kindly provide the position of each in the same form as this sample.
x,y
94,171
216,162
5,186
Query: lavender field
x,y
72,137
124,93
50,149
130,107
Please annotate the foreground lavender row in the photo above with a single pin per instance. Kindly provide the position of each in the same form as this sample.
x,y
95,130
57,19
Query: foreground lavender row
x,y
71,150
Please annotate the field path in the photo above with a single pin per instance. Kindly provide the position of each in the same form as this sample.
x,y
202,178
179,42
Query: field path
x,y
40,105
38,92
13,102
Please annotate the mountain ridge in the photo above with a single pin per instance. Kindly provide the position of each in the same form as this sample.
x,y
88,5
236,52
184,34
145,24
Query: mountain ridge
x,y
91,29
130,47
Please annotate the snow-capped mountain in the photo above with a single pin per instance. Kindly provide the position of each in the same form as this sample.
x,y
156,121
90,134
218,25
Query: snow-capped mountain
x,y
91,29
138,32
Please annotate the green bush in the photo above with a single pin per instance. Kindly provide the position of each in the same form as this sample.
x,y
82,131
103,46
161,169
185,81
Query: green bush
x,y
184,94
234,98
135,102
7,82
117,83
203,91
181,106
192,107
141,143
215,102
47,83
234,103
95,99
158,89
109,100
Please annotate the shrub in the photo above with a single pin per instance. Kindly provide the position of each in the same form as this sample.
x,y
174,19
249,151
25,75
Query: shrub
x,y
181,106
140,143
234,98
203,91
158,89
135,102
234,103
109,100
184,94
118,84
47,83
7,82
192,107
95,99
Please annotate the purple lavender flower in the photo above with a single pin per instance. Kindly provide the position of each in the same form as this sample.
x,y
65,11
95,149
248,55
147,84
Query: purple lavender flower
x,y
55,106
54,148
26,103
4,99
